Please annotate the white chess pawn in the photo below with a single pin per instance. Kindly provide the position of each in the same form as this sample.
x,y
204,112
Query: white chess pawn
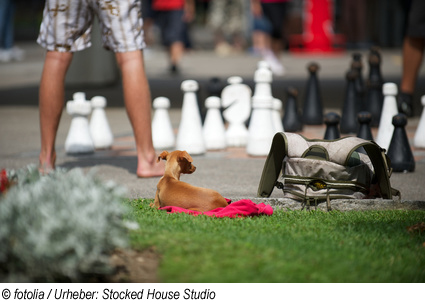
x,y
262,64
419,138
189,136
100,130
389,110
162,129
236,100
79,140
277,116
261,130
214,131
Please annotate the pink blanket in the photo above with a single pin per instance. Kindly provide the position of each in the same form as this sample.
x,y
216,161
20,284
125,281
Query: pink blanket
x,y
240,208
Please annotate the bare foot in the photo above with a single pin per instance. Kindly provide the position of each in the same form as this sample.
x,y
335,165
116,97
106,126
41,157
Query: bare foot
x,y
146,169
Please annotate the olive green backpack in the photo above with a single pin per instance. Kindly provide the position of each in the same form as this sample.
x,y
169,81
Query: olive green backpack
x,y
314,171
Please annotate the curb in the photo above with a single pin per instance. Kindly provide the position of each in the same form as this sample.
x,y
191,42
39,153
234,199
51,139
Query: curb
x,y
343,205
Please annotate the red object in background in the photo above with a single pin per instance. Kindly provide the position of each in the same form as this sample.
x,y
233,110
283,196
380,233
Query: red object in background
x,y
318,34
4,181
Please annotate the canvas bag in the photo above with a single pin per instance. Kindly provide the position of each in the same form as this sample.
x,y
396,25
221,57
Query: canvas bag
x,y
314,171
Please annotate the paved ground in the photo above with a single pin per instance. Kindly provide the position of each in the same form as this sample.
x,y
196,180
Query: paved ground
x,y
231,172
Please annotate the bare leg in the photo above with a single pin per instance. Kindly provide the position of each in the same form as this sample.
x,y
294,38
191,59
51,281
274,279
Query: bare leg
x,y
413,49
138,104
176,53
177,50
51,101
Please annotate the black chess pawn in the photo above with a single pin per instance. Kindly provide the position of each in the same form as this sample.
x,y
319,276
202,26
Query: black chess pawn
x,y
214,87
375,74
360,88
399,151
312,108
332,120
374,101
357,56
376,51
357,64
364,119
351,105
292,121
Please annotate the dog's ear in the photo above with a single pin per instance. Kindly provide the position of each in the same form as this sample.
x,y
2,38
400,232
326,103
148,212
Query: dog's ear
x,y
162,156
185,156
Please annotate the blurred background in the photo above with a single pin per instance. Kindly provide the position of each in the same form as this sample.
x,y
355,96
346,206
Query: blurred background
x,y
383,21
351,26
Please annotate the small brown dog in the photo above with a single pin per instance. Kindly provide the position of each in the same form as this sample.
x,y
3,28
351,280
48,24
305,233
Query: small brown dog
x,y
173,192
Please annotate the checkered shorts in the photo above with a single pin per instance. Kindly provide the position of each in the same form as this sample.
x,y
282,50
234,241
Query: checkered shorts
x,y
67,24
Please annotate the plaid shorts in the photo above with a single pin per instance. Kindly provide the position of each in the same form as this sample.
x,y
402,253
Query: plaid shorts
x,y
67,24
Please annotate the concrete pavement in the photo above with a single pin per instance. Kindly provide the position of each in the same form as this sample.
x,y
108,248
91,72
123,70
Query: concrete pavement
x,y
231,172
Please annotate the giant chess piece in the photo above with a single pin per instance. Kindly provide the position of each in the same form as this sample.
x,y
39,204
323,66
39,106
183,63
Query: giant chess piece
x,y
214,86
399,151
375,59
100,130
262,64
213,130
351,106
357,66
189,136
277,115
162,130
389,110
236,102
79,140
364,119
332,120
312,109
292,119
261,130
419,138
374,101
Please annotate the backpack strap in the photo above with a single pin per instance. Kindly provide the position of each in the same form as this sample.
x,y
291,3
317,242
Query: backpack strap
x,y
382,168
273,165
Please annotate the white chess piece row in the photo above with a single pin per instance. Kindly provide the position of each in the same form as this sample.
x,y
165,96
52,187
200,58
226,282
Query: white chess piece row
x,y
237,102
84,136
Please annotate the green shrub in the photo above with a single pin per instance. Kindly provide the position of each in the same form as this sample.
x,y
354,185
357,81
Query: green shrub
x,y
59,226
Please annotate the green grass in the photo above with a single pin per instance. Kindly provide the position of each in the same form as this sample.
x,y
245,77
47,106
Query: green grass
x,y
289,246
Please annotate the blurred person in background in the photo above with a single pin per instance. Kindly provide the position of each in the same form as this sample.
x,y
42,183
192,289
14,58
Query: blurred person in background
x,y
172,17
268,36
413,50
354,23
8,51
228,20
148,22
